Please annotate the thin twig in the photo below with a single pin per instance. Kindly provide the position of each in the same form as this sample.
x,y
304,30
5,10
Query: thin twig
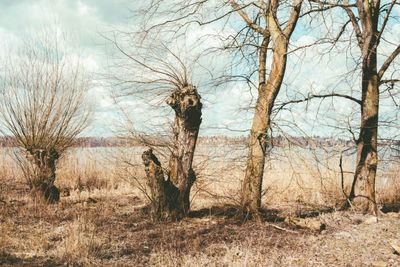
x,y
282,229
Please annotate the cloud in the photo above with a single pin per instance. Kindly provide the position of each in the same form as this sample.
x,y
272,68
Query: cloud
x,y
308,71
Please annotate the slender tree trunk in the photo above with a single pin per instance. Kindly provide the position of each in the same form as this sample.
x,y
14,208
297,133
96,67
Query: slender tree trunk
x,y
267,93
43,175
171,197
252,184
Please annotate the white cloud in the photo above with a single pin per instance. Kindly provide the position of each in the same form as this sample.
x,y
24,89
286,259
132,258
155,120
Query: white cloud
x,y
307,70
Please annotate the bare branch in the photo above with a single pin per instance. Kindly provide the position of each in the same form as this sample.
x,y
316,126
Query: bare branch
x,y
336,4
246,18
386,19
389,81
310,97
388,61
356,27
294,16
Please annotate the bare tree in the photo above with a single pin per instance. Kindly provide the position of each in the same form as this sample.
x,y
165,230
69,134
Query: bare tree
x,y
275,33
43,108
268,26
156,72
369,20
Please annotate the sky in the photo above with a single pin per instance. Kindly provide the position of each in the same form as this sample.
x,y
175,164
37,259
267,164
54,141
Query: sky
x,y
89,23
83,22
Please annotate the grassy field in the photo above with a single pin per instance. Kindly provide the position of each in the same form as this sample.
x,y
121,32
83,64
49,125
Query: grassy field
x,y
102,222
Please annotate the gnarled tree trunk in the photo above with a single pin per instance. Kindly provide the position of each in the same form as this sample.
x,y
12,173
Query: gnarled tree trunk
x,y
43,175
181,176
163,194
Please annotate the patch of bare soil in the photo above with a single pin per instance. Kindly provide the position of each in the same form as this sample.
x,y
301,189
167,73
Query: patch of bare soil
x,y
114,230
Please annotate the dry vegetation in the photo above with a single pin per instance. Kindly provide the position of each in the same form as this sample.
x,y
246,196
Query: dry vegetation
x,y
103,220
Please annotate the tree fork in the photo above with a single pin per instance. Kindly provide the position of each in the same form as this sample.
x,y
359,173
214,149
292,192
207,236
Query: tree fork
x,y
269,86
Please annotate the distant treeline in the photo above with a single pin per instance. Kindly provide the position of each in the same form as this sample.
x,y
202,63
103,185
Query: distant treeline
x,y
279,141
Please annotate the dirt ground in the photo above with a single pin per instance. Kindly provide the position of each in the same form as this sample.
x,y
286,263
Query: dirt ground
x,y
112,230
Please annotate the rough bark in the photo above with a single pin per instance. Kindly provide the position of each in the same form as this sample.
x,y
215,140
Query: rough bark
x,y
43,175
187,106
171,197
268,90
363,188
163,193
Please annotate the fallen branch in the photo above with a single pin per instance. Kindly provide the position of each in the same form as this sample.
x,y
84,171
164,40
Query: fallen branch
x,y
282,229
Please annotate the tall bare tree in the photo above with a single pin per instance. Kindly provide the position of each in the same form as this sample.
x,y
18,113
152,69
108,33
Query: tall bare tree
x,y
369,20
275,33
43,108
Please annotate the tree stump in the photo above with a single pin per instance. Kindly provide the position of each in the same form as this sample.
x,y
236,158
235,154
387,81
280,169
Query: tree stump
x,y
163,194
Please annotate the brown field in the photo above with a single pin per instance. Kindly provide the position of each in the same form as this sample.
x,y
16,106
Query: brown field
x,y
102,222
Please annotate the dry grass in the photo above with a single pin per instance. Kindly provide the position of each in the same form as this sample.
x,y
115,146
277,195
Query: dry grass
x,y
85,170
388,189
102,223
